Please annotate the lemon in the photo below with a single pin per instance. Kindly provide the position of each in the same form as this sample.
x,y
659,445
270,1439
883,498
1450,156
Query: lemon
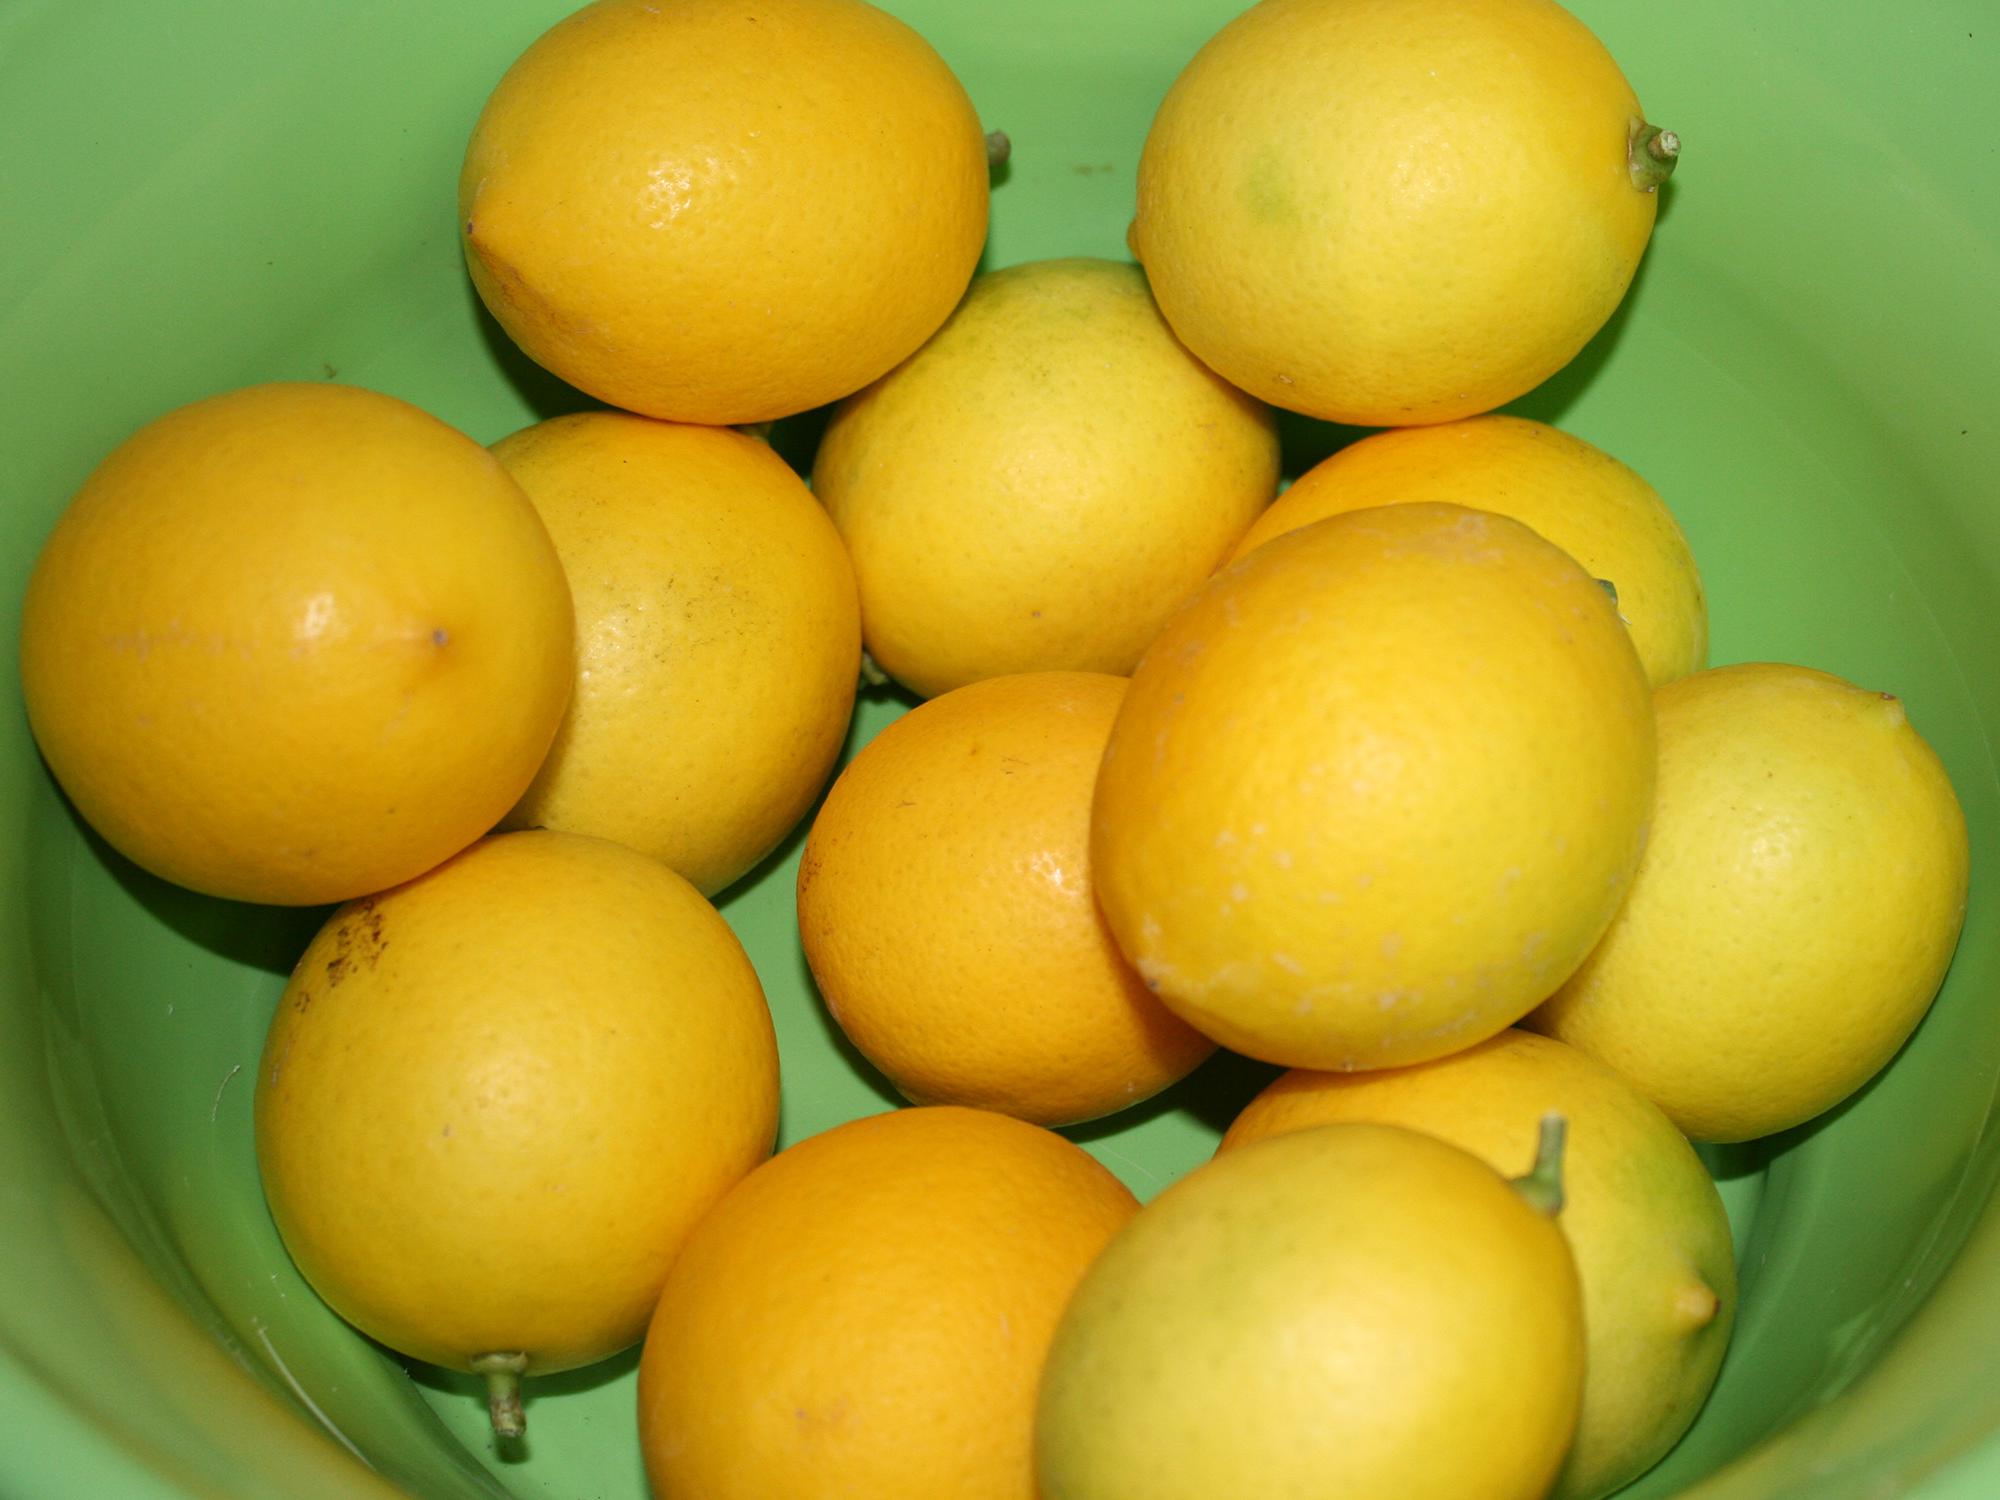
x,y
295,643
1377,789
1043,483
1641,1215
493,1102
947,911
1354,1310
868,1312
718,639
1394,214
1794,914
721,213
1575,494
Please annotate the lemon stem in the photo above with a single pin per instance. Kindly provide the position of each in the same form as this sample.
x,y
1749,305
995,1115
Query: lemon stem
x,y
871,674
1543,1187
503,1391
998,148
1651,153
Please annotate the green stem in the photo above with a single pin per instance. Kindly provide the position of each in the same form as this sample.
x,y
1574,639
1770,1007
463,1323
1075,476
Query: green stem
x,y
998,148
1651,153
1543,1187
503,1374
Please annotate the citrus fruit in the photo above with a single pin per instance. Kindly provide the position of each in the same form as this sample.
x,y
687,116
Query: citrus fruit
x,y
1794,913
719,213
1394,214
1575,494
1642,1217
718,639
295,643
867,1313
1354,1310
947,913
1041,484
492,1102
1376,790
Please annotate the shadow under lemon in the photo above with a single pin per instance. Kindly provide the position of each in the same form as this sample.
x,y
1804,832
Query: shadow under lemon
x,y
1306,441
270,938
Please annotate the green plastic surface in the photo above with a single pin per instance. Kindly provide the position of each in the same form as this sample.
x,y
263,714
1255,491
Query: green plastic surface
x,y
215,192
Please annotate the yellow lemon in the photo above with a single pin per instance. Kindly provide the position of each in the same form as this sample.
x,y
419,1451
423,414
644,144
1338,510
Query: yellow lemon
x,y
1377,789
1354,1310
1388,214
1642,1217
1578,496
718,639
295,643
493,1102
1042,483
722,213
1794,914
868,1312
947,911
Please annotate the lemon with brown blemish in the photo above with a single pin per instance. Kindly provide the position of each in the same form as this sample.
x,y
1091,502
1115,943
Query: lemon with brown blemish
x,y
493,1101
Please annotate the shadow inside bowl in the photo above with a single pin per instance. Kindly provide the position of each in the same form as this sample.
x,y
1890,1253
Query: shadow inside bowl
x,y
1551,400
836,1040
270,938
544,394
1212,1096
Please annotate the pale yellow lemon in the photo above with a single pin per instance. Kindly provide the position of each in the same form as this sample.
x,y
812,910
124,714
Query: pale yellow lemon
x,y
1043,483
868,1313
721,213
1641,1215
1392,213
718,639
1794,914
1377,789
1355,1310
1595,508
294,643
947,911
493,1102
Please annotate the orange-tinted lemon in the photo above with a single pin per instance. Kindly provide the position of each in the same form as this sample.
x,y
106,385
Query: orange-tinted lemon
x,y
947,910
718,212
295,643
868,1313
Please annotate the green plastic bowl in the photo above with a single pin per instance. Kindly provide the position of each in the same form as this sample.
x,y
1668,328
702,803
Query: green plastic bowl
x,y
218,192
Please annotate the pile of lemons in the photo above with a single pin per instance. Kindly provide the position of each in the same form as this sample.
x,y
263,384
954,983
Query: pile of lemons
x,y
1412,781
